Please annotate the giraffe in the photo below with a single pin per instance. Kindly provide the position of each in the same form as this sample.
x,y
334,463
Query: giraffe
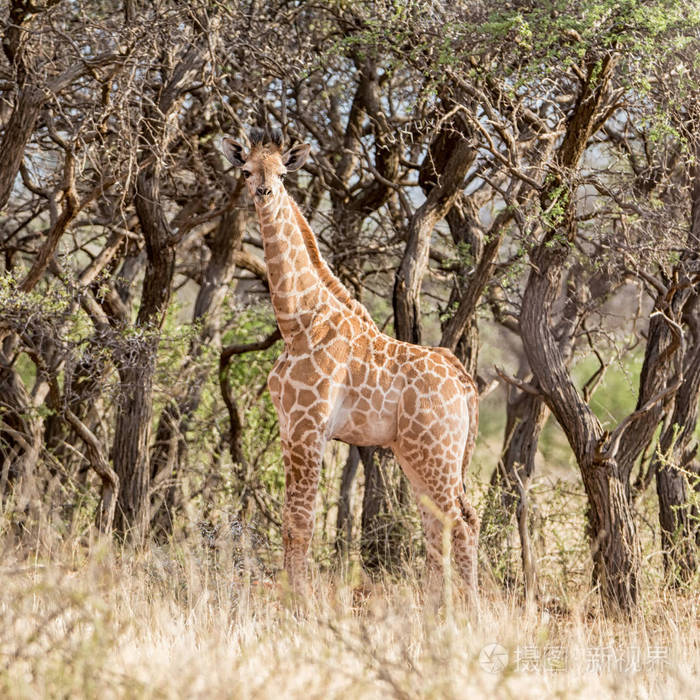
x,y
339,377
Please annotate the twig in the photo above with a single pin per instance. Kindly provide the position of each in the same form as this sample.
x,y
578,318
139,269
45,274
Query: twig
x,y
519,383
239,349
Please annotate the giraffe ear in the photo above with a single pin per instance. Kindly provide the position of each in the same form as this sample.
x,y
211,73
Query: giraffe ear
x,y
296,156
233,151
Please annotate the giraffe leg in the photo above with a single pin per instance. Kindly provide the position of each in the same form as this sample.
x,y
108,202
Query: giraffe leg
x,y
465,538
302,464
440,480
458,514
432,529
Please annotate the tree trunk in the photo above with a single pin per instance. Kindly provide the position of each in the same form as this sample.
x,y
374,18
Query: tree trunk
x,y
343,537
17,134
615,546
409,275
383,541
132,439
676,470
457,326
21,436
136,362
137,367
674,463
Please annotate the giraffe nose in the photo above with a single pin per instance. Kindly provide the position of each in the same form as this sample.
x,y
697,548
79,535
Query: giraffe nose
x,y
263,190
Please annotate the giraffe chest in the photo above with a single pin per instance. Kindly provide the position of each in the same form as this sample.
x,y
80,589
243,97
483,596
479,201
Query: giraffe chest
x,y
303,393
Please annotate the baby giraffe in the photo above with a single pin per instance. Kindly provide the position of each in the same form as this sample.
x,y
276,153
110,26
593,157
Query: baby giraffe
x,y
339,377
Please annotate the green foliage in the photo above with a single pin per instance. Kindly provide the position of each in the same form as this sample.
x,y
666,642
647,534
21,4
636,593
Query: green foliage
x,y
248,376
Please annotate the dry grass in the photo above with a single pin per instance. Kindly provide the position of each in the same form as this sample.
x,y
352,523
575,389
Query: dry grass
x,y
95,622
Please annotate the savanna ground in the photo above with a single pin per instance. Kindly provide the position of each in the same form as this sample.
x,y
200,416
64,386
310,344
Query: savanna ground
x,y
208,615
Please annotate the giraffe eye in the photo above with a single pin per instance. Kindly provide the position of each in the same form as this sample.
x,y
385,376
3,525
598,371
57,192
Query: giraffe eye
x,y
246,174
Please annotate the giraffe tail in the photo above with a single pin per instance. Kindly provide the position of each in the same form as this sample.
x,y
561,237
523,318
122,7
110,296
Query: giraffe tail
x,y
473,409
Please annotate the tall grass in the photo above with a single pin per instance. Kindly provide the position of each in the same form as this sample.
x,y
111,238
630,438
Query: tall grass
x,y
91,619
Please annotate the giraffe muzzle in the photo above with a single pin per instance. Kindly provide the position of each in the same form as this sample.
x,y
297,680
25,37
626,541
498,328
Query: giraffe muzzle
x,y
263,191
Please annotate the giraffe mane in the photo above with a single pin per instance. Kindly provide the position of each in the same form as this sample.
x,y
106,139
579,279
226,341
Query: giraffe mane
x,y
332,283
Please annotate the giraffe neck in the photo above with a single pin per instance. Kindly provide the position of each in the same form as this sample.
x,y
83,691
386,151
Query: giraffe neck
x,y
302,286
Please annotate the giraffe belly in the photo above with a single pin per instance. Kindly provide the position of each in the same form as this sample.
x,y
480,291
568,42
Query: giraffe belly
x,y
380,434
365,420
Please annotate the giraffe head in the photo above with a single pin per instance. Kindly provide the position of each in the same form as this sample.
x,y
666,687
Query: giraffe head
x,y
265,164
